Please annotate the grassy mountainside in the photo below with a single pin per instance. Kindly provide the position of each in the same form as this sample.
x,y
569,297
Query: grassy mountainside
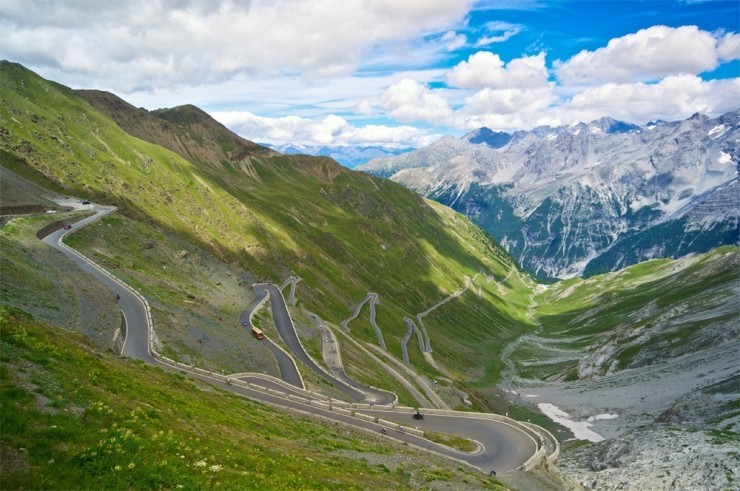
x,y
34,279
343,233
75,418
186,130
641,315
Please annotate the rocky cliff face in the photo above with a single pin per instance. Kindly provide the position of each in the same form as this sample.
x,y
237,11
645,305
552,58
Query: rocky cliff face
x,y
589,198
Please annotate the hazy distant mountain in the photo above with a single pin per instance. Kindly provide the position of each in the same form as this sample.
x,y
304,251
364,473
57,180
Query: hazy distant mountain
x,y
348,156
589,198
494,139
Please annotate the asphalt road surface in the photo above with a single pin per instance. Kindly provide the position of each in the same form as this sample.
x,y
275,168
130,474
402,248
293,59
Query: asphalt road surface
x,y
288,369
286,329
136,344
504,446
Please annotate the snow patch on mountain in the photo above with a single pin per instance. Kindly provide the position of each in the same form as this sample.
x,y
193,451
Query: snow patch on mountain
x,y
559,198
717,131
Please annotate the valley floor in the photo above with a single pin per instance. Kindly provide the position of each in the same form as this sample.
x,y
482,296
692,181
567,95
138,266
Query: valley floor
x,y
660,424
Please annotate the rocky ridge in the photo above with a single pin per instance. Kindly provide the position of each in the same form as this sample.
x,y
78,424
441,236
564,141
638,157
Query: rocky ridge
x,y
588,198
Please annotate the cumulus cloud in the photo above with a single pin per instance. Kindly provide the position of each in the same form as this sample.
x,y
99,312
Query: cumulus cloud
x,y
508,101
505,109
674,97
277,57
511,95
728,47
519,94
409,100
331,130
138,44
649,54
486,69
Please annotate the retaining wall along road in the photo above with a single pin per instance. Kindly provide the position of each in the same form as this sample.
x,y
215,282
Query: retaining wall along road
x,y
303,396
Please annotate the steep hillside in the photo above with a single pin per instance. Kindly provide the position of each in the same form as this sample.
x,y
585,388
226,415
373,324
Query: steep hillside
x,y
343,233
73,417
654,344
639,316
186,130
643,363
588,198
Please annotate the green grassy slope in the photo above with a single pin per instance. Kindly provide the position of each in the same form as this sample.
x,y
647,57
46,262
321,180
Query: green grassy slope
x,y
344,233
34,277
75,418
638,316
186,130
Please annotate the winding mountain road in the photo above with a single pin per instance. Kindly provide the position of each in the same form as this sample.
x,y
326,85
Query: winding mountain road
x,y
136,344
372,298
287,332
504,446
288,369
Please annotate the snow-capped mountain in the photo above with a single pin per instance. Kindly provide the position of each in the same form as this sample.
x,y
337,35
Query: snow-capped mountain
x,y
588,198
348,156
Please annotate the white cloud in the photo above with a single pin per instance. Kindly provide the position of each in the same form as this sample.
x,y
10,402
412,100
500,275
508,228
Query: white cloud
x,y
508,101
433,12
728,48
409,100
154,44
649,54
453,40
331,130
675,97
364,107
505,108
486,69
499,32
324,60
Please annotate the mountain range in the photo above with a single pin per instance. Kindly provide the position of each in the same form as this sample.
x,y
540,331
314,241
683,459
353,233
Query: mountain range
x,y
203,214
587,198
269,215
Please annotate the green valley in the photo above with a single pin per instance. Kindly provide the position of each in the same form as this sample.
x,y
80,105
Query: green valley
x,y
203,215
266,216
75,417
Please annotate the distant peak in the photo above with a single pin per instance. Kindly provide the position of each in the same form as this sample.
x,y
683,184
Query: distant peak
x,y
494,139
612,126
698,117
446,140
657,122
9,65
186,113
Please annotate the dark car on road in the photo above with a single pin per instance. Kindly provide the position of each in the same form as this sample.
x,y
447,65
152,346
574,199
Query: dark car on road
x,y
67,226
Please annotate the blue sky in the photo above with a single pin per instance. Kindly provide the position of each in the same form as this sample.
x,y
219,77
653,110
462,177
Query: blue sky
x,y
389,72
